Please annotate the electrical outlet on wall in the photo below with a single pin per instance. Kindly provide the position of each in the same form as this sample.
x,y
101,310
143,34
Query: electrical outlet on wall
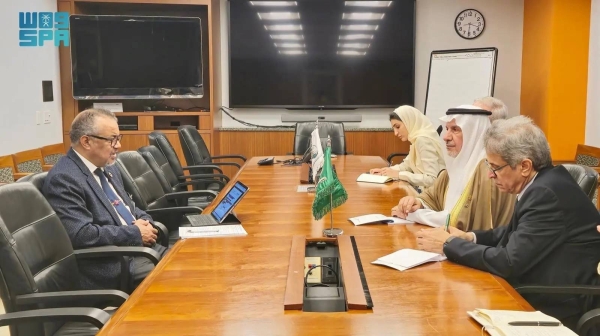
x,y
47,117
38,117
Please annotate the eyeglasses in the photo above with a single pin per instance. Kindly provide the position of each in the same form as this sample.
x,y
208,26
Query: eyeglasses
x,y
492,169
113,141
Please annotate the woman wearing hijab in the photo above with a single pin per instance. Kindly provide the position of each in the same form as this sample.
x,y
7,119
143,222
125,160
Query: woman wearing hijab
x,y
425,158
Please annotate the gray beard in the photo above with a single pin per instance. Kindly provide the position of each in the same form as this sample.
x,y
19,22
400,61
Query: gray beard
x,y
452,154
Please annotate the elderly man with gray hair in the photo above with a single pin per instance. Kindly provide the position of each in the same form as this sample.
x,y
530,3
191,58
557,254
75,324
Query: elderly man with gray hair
x,y
494,105
551,239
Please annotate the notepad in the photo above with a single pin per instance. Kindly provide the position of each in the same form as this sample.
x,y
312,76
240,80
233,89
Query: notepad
x,y
211,231
377,218
408,258
374,178
496,323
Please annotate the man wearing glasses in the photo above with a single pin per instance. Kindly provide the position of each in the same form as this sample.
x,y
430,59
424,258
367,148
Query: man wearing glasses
x,y
551,239
462,196
86,192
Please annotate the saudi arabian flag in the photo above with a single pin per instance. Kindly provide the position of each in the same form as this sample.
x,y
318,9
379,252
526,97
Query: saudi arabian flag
x,y
329,192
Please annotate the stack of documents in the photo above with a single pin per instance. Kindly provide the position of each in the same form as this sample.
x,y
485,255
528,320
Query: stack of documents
x,y
211,231
377,218
519,323
408,258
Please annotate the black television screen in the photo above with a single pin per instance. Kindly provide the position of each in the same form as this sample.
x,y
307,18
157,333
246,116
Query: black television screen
x,y
130,57
321,53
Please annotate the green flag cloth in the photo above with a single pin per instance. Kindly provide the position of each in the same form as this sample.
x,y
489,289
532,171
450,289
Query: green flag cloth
x,y
329,191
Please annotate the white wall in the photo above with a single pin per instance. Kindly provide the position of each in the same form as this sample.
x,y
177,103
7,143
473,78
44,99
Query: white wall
x,y
22,70
592,122
435,31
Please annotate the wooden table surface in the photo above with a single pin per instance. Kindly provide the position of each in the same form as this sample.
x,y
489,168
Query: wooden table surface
x,y
236,286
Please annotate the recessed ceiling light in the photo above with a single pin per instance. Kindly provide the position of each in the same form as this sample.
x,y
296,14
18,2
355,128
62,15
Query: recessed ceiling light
x,y
363,16
292,52
279,16
369,3
357,37
352,53
274,3
284,27
359,27
354,45
289,45
291,37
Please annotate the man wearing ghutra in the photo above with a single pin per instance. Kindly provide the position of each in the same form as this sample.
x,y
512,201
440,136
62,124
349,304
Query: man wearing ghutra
x,y
463,195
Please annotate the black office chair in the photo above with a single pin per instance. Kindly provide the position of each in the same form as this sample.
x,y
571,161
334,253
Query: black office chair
x,y
160,141
196,153
146,191
586,177
303,136
393,155
169,181
39,276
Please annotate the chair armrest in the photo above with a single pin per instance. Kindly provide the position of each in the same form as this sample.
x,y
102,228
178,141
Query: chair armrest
x,y
175,210
95,316
189,194
84,298
578,290
204,166
587,321
118,251
393,155
204,176
196,182
226,164
165,233
231,156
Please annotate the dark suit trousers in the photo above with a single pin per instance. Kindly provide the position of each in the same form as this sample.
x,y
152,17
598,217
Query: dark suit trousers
x,y
142,266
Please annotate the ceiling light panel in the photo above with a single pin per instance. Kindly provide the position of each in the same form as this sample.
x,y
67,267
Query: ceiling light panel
x,y
363,16
354,45
351,37
284,27
351,53
289,37
289,45
279,16
368,3
274,3
365,27
292,52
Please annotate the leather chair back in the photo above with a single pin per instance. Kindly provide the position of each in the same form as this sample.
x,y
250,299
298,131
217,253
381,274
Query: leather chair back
x,y
36,179
586,177
159,140
161,168
36,254
195,151
140,181
333,129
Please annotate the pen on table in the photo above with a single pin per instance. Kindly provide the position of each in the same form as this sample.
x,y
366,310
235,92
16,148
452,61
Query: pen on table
x,y
447,223
535,324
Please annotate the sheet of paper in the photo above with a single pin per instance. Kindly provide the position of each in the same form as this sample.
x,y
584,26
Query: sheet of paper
x,y
212,231
304,187
377,218
407,258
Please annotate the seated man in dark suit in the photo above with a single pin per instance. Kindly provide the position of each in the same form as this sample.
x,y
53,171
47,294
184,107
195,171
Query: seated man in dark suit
x,y
86,191
551,239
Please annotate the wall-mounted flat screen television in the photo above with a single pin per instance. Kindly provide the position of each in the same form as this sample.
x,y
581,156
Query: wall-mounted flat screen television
x,y
136,57
321,53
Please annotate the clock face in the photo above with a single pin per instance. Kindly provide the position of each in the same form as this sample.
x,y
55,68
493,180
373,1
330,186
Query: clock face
x,y
469,24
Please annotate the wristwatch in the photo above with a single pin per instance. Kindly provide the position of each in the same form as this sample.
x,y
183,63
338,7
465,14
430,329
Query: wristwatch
x,y
448,240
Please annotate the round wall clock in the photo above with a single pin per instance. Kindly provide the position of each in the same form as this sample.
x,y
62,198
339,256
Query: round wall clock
x,y
469,24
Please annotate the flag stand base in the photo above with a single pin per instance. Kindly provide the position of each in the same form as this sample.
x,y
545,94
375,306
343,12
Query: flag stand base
x,y
333,232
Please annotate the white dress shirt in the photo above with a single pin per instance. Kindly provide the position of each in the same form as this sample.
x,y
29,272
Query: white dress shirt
x,y
92,169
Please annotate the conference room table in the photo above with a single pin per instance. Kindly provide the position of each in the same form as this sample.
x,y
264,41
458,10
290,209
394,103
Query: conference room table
x,y
236,285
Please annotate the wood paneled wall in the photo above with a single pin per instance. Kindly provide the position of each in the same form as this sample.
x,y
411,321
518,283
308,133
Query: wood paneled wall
x,y
279,143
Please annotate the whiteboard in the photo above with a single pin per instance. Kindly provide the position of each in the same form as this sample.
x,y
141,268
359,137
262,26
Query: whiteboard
x,y
458,77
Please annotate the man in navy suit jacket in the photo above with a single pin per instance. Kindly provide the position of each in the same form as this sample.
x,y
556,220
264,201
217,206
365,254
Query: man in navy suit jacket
x,y
87,193
551,239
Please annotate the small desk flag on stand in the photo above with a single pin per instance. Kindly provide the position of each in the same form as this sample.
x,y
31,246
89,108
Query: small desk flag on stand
x,y
330,193
317,152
